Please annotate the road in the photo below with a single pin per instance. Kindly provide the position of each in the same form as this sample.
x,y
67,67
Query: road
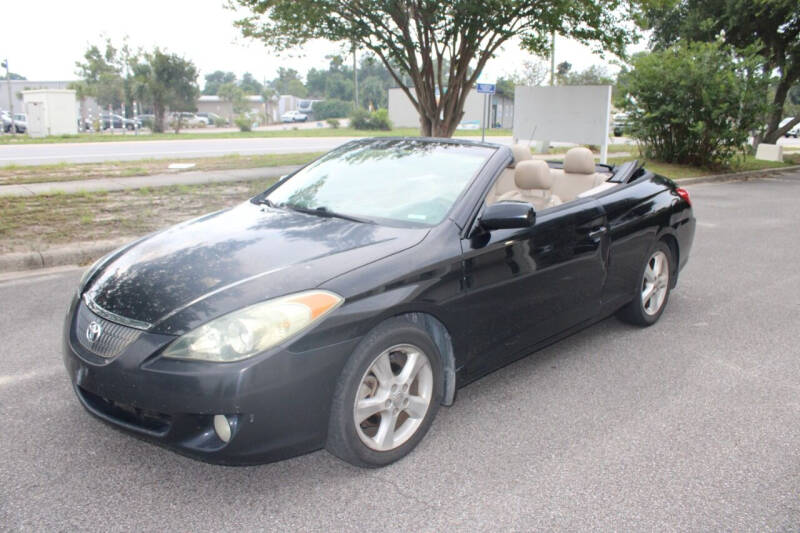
x,y
691,424
42,154
45,154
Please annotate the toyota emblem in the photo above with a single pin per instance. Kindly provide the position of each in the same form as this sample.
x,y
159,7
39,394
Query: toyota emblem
x,y
94,331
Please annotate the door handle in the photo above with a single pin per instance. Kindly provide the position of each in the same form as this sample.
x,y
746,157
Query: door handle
x,y
599,232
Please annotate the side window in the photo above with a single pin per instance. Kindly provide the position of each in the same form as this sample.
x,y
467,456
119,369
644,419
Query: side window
x,y
503,183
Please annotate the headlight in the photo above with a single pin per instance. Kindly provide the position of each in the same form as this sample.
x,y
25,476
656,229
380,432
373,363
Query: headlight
x,y
246,332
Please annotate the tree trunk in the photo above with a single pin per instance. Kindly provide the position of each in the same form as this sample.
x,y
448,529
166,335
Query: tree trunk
x,y
158,123
774,132
771,136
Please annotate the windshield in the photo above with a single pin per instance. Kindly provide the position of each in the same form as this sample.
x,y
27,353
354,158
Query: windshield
x,y
397,180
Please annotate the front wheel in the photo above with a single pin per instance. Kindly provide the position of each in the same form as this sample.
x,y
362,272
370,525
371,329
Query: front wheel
x,y
387,396
653,289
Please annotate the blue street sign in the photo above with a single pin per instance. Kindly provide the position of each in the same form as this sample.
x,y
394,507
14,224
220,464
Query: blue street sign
x,y
486,88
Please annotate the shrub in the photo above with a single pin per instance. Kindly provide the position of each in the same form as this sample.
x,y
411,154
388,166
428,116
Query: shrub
x,y
243,123
333,123
220,122
695,104
147,123
361,119
332,109
380,120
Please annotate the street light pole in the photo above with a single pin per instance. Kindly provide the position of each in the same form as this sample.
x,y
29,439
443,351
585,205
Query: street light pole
x,y
355,74
10,101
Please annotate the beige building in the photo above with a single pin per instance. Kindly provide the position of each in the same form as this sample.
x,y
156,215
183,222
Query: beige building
x,y
500,110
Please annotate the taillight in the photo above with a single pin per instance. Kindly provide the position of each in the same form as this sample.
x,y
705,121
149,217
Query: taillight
x,y
683,193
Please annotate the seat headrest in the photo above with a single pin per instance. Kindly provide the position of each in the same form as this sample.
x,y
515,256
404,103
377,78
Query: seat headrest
x,y
579,160
521,153
533,174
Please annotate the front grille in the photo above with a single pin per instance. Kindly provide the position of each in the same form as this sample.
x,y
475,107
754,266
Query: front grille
x,y
151,421
112,339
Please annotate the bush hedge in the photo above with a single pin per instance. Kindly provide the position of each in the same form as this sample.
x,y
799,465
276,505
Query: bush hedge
x,y
361,119
332,109
695,104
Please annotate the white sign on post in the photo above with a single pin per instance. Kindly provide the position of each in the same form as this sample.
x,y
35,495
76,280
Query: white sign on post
x,y
566,113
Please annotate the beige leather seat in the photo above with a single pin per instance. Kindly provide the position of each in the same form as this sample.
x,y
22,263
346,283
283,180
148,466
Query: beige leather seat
x,y
533,181
578,175
505,183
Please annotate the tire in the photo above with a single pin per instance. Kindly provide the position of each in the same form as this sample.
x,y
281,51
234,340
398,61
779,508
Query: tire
x,y
647,306
368,443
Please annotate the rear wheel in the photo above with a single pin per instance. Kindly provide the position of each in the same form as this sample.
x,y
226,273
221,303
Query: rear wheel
x,y
387,396
653,289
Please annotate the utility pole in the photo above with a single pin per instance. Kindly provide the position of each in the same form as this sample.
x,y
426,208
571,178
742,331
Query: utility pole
x,y
552,58
355,74
10,100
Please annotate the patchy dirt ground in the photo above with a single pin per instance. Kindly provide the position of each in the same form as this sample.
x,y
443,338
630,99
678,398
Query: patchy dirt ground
x,y
19,174
38,222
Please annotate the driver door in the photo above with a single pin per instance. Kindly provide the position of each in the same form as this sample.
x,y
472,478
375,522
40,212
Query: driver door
x,y
524,286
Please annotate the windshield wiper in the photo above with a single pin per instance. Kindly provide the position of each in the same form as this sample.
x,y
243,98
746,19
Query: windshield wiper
x,y
323,211
264,201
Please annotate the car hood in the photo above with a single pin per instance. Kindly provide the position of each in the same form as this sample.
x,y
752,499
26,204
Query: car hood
x,y
179,278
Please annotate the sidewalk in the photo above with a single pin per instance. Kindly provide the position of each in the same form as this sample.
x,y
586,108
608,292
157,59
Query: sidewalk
x,y
139,182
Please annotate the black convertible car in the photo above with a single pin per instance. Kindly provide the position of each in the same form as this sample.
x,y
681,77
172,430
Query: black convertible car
x,y
341,307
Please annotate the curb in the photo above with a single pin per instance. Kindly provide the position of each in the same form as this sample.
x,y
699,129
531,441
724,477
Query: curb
x,y
85,252
79,253
736,176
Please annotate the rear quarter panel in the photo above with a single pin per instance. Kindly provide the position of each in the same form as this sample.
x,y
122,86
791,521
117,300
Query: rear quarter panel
x,y
639,214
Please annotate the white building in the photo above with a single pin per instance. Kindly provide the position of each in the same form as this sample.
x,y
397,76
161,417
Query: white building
x,y
500,110
50,112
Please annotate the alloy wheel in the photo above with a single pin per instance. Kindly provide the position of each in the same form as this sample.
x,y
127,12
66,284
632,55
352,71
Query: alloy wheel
x,y
655,283
393,397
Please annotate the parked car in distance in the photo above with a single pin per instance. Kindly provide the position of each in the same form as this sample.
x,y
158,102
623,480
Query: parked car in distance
x,y
20,122
146,120
342,306
118,122
211,119
294,116
620,124
189,120
794,132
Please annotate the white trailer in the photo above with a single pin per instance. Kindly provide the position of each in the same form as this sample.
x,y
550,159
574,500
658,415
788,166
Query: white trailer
x,y
50,112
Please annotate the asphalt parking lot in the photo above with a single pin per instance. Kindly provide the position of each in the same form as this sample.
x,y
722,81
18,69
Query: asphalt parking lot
x,y
693,424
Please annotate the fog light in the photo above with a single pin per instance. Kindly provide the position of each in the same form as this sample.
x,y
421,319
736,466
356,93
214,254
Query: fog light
x,y
222,427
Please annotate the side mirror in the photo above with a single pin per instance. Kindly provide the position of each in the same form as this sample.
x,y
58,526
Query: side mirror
x,y
507,215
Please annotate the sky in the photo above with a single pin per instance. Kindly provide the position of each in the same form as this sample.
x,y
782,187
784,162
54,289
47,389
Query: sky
x,y
200,30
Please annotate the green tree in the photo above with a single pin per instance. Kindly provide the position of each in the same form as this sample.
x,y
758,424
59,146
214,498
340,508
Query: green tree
x,y
593,75
435,50
250,85
695,103
532,74
289,82
101,73
372,92
215,79
771,26
337,81
167,81
230,92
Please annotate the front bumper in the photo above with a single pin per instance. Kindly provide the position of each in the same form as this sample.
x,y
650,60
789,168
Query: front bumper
x,y
278,402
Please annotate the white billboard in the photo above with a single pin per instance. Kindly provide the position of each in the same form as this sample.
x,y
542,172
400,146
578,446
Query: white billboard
x,y
566,113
